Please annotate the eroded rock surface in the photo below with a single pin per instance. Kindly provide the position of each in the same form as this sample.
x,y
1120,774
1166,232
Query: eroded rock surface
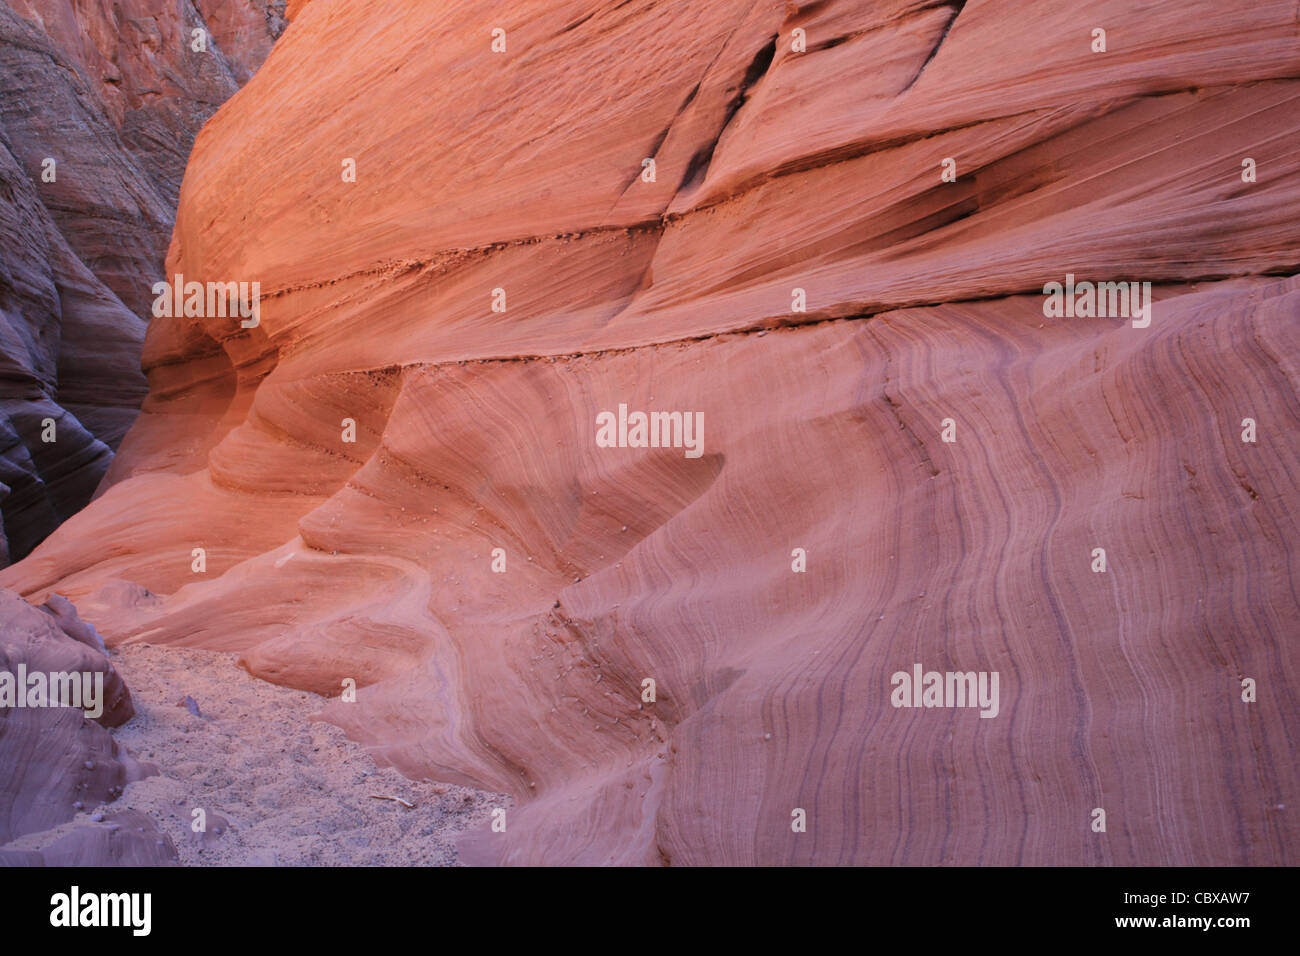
x,y
774,171
125,838
100,106
56,761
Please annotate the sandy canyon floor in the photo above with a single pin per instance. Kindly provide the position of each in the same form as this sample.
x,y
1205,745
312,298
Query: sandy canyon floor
x,y
282,788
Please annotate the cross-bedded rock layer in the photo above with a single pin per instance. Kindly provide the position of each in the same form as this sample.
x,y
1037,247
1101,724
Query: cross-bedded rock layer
x,y
775,170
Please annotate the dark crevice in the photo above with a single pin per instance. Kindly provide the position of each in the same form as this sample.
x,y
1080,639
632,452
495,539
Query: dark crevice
x,y
832,43
578,22
698,167
658,141
848,152
957,6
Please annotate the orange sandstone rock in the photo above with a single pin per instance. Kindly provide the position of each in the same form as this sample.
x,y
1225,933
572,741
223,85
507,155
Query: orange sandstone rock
x,y
783,177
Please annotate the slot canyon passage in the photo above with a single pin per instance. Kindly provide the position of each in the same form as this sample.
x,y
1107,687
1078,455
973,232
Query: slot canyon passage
x,y
906,460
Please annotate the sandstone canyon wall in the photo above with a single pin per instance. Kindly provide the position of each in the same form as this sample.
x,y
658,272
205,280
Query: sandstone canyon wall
x,y
99,106
438,335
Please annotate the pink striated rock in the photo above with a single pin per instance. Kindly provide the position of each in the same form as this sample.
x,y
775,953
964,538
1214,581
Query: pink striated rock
x,y
775,171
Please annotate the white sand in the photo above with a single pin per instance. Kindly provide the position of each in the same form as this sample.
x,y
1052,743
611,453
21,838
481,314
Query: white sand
x,y
292,791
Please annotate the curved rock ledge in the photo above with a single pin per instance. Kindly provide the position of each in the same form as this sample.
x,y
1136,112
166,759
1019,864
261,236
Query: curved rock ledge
x,y
322,559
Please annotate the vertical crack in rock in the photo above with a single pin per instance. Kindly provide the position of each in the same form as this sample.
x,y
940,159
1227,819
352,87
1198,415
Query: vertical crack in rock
x,y
957,6
698,167
658,141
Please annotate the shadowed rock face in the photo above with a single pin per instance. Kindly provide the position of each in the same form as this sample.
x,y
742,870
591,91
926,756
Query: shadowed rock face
x,y
100,106
56,761
775,171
